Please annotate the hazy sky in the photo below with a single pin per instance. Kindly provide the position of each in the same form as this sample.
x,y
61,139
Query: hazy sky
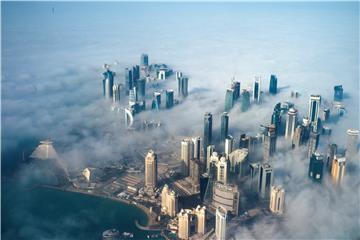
x,y
52,65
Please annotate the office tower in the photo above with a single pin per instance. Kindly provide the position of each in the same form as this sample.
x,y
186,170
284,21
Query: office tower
x,y
306,130
273,85
325,115
313,143
220,225
238,160
129,117
298,136
150,171
144,60
135,74
276,117
229,100
116,92
183,86
207,130
314,107
236,87
224,126
200,219
229,143
178,75
338,170
184,224
256,90
351,144
245,100
196,141
244,141
169,98
277,200
291,122
128,80
156,102
162,74
226,196
195,175
265,180
222,170
108,83
209,151
133,96
316,166
332,151
269,142
254,175
141,88
169,201
338,93
186,154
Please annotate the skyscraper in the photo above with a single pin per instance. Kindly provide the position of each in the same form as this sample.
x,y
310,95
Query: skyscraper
x,y
298,136
156,102
169,98
352,144
256,90
245,100
273,85
277,200
150,171
332,151
128,80
222,170
220,225
265,180
116,92
183,86
338,170
316,167
141,87
207,130
313,143
186,154
194,170
291,122
144,60
229,143
236,87
108,83
276,118
184,224
196,141
338,93
200,219
224,126
169,201
229,99
269,145
314,107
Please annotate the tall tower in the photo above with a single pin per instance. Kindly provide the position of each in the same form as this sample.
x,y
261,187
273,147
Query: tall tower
x,y
313,143
245,100
196,141
183,83
108,83
224,126
183,225
277,200
273,85
128,80
150,171
352,143
220,225
338,93
229,99
116,92
169,98
156,102
141,87
229,143
269,142
291,122
178,76
200,219
257,90
222,170
265,180
144,60
186,154
338,170
207,130
316,167
236,87
314,108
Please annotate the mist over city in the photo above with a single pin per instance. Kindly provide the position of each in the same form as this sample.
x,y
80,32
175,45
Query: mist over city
x,y
113,150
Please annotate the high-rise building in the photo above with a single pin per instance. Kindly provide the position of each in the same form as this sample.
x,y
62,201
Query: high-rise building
x,y
194,170
338,170
236,87
144,60
135,74
332,151
156,102
298,136
314,108
257,90
209,151
254,175
169,201
273,85
141,88
245,100
291,122
265,180
277,200
224,126
184,224
229,99
276,118
116,92
196,141
352,139
220,225
150,171
338,93
200,219
207,130
269,142
229,144
316,167
183,86
238,160
313,143
108,83
169,98
325,115
128,80
222,170
186,155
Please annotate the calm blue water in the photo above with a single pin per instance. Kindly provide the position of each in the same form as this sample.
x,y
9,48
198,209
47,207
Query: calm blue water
x,y
41,213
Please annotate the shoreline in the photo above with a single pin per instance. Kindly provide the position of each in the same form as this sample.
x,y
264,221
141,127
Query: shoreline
x,y
150,216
